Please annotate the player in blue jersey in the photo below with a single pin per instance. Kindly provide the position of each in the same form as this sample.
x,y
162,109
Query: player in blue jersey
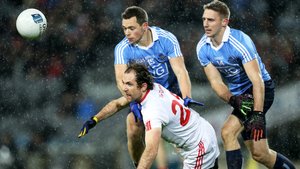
x,y
230,54
159,50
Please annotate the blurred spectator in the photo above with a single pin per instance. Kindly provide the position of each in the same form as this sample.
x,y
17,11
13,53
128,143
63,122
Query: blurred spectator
x,y
9,156
67,105
37,155
78,161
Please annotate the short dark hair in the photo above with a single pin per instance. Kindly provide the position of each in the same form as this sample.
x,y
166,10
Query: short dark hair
x,y
218,6
142,75
135,11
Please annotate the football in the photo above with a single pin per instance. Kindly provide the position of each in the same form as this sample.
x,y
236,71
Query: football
x,y
31,23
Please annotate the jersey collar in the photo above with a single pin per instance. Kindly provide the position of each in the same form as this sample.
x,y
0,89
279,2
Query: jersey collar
x,y
144,97
224,39
154,36
226,34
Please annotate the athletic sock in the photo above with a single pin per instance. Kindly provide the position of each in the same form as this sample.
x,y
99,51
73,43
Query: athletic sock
x,y
234,159
283,163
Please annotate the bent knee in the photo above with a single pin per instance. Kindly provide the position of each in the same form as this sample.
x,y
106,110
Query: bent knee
x,y
260,156
227,133
231,130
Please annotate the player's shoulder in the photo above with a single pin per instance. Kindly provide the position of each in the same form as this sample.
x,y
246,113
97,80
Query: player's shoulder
x,y
158,89
159,30
123,44
238,34
162,33
202,42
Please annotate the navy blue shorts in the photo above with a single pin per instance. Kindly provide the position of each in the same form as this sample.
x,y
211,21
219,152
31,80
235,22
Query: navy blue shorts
x,y
269,98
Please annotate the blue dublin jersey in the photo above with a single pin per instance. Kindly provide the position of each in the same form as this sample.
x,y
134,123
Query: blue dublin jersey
x,y
235,50
156,56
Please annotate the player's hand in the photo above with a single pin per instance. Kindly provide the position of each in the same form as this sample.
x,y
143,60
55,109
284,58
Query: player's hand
x,y
256,124
136,109
244,103
87,126
189,101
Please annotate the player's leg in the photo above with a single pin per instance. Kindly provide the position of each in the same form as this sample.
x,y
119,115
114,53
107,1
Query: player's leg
x,y
230,131
261,153
135,138
260,150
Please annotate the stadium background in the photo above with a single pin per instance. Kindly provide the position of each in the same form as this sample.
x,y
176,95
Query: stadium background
x,y
50,86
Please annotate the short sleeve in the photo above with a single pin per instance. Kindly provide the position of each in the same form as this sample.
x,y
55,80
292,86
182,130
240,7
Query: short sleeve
x,y
155,117
201,53
121,54
245,47
171,44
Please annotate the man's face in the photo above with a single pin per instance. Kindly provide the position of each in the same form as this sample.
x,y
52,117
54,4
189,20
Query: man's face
x,y
130,87
213,23
132,30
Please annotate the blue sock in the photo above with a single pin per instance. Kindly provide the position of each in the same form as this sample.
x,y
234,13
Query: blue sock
x,y
234,159
283,163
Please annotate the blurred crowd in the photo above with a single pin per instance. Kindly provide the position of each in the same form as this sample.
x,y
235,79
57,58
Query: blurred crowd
x,y
45,83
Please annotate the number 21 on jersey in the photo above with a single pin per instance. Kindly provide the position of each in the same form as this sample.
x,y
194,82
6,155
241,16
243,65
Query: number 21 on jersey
x,y
185,113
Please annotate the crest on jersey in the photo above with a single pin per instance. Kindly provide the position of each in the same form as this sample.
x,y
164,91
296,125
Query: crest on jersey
x,y
162,57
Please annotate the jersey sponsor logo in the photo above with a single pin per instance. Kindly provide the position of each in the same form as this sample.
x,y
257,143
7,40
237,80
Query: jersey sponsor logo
x,y
148,125
161,70
228,69
158,67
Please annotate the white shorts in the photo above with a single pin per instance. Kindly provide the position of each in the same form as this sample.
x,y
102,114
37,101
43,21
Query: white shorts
x,y
204,155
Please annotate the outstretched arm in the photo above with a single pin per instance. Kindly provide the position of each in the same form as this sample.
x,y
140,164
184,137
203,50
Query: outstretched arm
x,y
111,108
107,111
152,139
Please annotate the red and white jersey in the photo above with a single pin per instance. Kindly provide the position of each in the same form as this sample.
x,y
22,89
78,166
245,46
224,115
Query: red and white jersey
x,y
180,125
